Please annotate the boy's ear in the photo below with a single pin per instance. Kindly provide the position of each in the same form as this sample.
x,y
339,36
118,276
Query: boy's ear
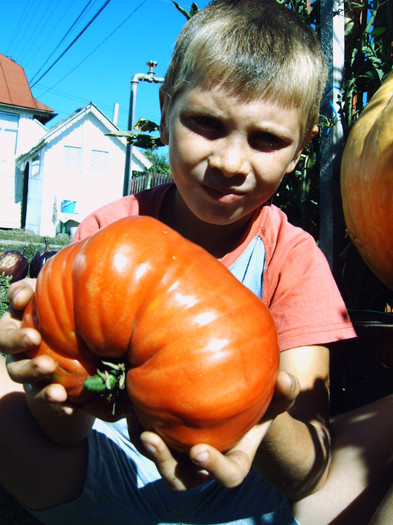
x,y
309,137
164,135
313,133
295,160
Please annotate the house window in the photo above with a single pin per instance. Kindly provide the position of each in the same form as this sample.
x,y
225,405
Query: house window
x,y
99,162
35,166
72,158
8,135
70,183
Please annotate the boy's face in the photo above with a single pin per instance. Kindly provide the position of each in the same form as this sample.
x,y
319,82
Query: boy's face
x,y
228,157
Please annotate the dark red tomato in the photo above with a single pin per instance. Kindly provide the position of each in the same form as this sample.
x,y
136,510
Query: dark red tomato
x,y
199,349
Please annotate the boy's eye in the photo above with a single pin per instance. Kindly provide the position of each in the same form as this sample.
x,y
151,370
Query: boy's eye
x,y
265,141
206,126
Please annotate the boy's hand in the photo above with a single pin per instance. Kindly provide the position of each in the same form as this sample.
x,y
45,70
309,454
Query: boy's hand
x,y
205,462
14,341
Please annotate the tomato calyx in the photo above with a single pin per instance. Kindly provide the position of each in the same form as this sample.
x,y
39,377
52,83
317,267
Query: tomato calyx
x,y
108,382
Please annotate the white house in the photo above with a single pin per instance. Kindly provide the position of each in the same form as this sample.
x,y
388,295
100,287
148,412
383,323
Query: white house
x,y
22,124
74,169
51,178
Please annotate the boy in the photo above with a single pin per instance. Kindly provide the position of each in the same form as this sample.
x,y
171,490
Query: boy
x,y
239,103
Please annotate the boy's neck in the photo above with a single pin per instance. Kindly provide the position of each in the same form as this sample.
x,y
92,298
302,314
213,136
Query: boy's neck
x,y
217,240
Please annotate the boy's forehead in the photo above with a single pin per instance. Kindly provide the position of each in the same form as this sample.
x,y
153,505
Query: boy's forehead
x,y
259,112
217,96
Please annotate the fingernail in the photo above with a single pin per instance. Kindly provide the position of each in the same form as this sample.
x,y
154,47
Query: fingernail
x,y
68,411
150,448
202,457
28,343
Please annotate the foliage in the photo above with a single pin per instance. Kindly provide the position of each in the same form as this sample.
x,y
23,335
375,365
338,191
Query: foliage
x,y
368,59
5,282
142,137
368,56
140,140
24,237
159,162
298,194
188,15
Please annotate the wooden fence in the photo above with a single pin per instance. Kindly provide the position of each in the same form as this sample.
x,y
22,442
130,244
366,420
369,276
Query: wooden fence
x,y
150,180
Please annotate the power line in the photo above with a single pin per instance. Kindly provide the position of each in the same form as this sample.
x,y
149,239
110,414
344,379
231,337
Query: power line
x,y
95,49
47,27
37,31
73,42
63,95
26,18
62,40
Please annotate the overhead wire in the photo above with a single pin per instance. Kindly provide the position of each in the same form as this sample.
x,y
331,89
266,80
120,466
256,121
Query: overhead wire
x,y
37,31
25,20
74,23
72,43
97,47
103,105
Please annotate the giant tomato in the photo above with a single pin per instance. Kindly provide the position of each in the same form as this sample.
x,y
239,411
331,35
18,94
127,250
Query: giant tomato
x,y
200,350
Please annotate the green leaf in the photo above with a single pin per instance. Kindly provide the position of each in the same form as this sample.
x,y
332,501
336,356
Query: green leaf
x,y
146,141
109,380
182,11
194,9
146,125
378,32
140,140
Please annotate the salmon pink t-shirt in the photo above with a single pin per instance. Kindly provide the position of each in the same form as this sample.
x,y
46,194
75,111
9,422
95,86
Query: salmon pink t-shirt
x,y
279,262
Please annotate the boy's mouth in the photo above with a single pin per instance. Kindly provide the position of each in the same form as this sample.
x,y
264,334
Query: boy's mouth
x,y
224,195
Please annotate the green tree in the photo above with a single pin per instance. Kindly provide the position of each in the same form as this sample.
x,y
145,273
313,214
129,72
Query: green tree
x,y
159,162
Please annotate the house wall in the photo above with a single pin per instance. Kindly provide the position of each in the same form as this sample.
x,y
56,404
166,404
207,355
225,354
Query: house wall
x,y
18,132
83,165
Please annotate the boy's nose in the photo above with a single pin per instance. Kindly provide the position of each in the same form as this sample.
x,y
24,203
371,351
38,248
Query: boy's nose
x,y
231,159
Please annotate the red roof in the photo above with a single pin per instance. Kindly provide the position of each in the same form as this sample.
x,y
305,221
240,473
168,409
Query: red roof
x,y
14,87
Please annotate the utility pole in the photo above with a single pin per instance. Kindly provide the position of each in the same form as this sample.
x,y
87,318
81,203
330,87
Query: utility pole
x,y
138,77
333,42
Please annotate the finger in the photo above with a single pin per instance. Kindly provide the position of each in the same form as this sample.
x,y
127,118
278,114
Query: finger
x,y
287,386
20,293
162,456
31,371
176,469
53,394
286,390
229,470
15,340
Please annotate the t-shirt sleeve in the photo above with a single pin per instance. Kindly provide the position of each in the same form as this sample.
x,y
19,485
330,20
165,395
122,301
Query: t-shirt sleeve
x,y
100,218
303,296
146,202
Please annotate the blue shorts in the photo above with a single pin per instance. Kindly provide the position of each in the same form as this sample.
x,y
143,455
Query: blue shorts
x,y
122,486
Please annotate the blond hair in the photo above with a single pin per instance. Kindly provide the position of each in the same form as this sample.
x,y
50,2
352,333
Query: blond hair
x,y
252,49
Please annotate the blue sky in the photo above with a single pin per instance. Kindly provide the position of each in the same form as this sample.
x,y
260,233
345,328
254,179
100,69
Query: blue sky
x,y
98,67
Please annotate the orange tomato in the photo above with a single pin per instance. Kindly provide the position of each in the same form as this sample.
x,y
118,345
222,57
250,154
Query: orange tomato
x,y
200,351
